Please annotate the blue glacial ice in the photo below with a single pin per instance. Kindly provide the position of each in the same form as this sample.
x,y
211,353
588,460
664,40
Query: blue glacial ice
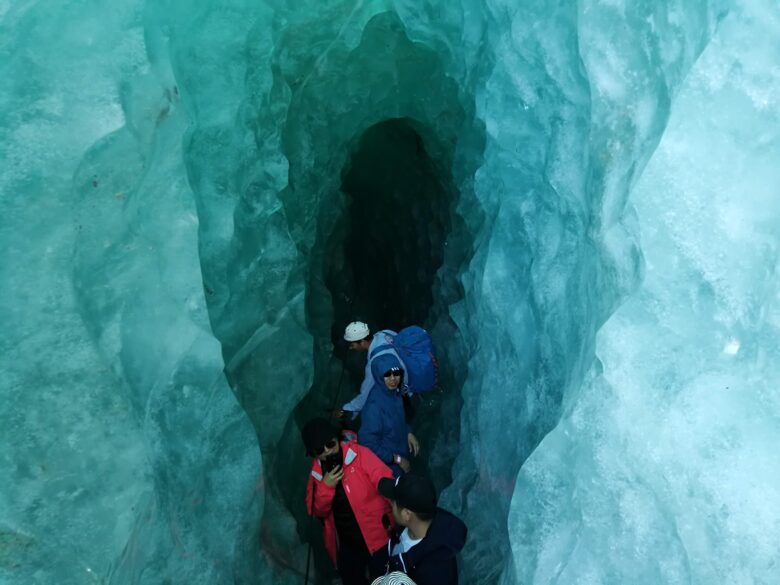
x,y
579,200
662,468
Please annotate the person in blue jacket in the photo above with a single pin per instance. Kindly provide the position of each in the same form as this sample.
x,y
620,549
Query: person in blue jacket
x,y
384,429
360,339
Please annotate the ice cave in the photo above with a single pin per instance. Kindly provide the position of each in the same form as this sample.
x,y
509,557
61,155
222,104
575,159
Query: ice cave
x,y
580,201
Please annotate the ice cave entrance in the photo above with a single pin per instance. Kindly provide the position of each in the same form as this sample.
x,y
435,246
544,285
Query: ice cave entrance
x,y
378,165
397,225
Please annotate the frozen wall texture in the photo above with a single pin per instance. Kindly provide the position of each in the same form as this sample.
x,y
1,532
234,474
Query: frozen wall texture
x,y
579,200
125,457
662,469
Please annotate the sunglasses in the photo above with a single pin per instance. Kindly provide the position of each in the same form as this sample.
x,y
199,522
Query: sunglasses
x,y
393,372
329,445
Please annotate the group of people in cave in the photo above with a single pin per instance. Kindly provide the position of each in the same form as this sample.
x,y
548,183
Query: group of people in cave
x,y
381,522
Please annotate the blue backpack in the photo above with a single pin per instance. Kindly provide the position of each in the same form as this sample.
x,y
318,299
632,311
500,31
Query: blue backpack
x,y
414,348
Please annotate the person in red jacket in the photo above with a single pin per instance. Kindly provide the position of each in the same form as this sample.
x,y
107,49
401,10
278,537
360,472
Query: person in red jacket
x,y
342,489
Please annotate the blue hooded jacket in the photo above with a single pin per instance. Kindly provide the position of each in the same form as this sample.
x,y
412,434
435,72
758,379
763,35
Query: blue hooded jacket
x,y
384,429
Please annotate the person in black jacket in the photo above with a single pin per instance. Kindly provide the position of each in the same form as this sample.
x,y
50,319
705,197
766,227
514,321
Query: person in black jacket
x,y
426,539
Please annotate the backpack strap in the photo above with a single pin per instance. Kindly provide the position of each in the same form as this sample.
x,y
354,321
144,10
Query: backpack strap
x,y
382,350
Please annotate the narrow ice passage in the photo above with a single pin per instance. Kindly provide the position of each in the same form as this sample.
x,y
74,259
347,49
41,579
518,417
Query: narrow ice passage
x,y
585,219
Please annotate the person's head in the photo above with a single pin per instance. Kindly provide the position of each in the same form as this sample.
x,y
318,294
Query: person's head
x,y
393,378
358,336
413,497
321,438
387,371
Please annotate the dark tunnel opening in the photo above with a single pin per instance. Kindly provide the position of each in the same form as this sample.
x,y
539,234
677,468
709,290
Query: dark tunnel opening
x,y
398,221
396,228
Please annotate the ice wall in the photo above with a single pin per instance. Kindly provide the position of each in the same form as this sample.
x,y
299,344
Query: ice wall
x,y
175,223
558,250
663,468
125,456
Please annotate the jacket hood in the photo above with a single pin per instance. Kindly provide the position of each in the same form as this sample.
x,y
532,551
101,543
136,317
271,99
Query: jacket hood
x,y
382,363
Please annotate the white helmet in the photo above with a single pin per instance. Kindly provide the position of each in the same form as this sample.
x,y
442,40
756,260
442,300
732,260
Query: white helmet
x,y
356,331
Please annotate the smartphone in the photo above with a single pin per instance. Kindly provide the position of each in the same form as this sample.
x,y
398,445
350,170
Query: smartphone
x,y
331,462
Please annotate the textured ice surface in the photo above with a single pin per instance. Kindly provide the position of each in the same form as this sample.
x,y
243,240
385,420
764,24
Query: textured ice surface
x,y
664,468
125,456
179,182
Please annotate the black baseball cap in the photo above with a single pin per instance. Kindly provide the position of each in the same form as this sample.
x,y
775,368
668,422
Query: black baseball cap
x,y
411,491
317,432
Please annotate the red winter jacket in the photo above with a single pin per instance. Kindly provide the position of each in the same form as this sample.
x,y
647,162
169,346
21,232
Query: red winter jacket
x,y
362,472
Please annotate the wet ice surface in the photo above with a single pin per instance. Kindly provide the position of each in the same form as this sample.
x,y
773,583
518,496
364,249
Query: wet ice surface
x,y
663,469
173,232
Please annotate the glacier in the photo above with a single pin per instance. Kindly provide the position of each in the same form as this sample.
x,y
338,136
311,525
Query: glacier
x,y
578,200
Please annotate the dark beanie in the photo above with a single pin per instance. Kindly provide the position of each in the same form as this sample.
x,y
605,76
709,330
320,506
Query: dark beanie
x,y
317,432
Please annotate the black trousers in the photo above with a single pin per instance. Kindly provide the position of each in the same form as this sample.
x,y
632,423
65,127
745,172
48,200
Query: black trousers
x,y
357,566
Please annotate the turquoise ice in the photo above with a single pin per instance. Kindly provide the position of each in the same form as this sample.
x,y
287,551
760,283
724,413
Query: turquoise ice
x,y
584,209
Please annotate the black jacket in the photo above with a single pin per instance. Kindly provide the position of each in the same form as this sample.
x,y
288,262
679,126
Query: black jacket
x,y
432,560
